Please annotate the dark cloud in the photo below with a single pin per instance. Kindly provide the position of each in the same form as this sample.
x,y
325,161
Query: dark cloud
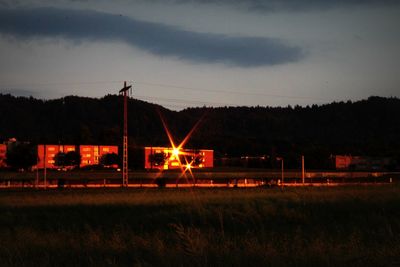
x,y
156,38
287,5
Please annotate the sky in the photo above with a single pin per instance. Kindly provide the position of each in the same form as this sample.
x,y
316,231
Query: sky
x,y
183,53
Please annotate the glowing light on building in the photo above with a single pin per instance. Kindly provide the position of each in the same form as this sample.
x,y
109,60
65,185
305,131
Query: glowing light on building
x,y
175,152
175,159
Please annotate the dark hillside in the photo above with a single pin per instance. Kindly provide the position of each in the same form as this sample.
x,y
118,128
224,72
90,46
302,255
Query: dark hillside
x,y
369,127
77,120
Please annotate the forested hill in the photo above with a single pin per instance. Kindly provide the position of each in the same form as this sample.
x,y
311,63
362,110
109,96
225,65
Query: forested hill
x,y
369,127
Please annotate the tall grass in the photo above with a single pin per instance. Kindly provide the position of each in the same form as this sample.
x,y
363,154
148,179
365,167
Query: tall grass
x,y
340,226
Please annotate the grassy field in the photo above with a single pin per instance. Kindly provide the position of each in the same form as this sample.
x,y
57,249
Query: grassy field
x,y
311,226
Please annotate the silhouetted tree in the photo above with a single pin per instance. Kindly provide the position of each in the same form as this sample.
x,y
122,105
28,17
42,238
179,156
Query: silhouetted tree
x,y
110,159
158,159
59,159
71,158
21,156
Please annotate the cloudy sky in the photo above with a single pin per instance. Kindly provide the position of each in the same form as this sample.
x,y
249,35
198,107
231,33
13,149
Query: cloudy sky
x,y
181,53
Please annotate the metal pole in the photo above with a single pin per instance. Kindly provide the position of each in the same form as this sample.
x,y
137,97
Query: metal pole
x,y
44,168
302,169
37,168
125,162
283,175
125,93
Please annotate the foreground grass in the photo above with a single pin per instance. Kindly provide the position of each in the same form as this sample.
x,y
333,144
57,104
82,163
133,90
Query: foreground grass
x,y
341,226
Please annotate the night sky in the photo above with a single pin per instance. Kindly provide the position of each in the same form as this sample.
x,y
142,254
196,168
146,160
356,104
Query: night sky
x,y
181,53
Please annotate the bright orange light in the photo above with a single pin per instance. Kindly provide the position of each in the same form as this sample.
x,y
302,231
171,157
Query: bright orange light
x,y
175,152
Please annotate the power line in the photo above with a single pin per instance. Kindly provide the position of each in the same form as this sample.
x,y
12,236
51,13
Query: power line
x,y
165,85
184,101
229,92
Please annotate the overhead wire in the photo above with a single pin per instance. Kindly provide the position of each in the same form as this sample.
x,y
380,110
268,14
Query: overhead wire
x,y
226,91
165,85
175,100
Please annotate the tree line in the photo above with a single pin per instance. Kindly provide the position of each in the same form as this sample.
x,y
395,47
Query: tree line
x,y
368,127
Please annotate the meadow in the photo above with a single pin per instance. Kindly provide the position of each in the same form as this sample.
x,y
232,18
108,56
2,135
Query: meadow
x,y
309,226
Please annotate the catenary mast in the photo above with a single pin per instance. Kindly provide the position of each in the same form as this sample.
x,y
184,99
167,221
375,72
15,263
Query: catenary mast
x,y
125,91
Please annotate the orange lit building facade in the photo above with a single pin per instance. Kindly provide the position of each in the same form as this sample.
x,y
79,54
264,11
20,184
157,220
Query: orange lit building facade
x,y
90,154
3,152
362,162
46,154
342,162
164,158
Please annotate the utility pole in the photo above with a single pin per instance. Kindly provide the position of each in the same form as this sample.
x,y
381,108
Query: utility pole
x,y
44,167
125,92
